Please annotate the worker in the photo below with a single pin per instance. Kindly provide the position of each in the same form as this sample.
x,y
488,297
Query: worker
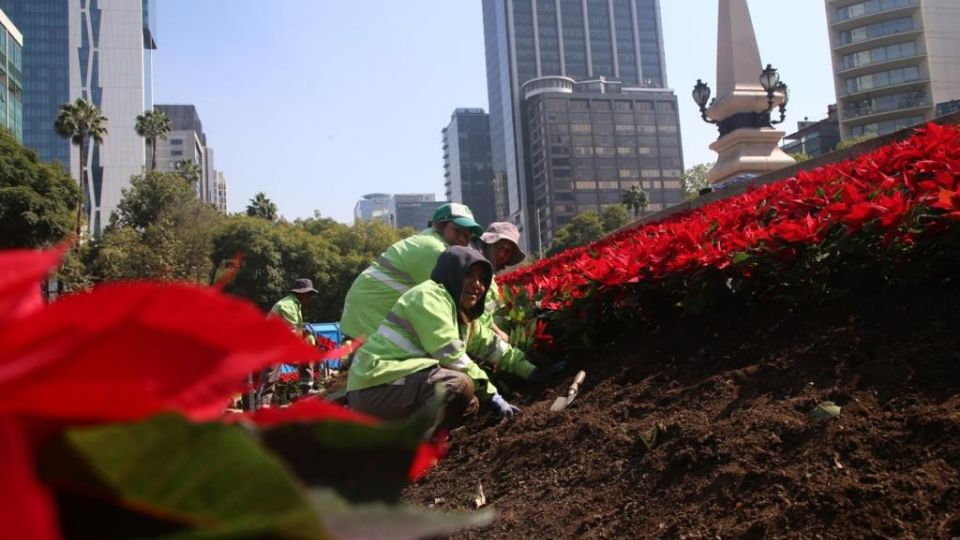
x,y
404,264
500,244
431,337
289,309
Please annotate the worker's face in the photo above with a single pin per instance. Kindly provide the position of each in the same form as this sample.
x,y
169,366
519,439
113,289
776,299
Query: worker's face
x,y
305,298
503,251
455,235
473,287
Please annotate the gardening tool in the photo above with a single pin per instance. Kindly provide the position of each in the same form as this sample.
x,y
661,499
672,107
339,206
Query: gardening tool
x,y
563,401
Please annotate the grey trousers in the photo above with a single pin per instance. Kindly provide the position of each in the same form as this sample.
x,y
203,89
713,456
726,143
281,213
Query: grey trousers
x,y
405,396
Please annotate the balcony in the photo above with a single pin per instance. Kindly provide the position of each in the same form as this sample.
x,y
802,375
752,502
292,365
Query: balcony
x,y
874,107
885,89
897,8
878,41
880,65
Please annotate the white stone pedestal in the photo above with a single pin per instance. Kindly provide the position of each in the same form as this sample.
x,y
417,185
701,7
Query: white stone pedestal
x,y
748,151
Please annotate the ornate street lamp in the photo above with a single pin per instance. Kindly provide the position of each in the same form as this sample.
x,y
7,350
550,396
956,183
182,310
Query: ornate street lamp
x,y
771,83
701,93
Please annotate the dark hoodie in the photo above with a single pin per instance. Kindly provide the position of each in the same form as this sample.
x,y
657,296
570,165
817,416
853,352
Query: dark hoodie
x,y
451,269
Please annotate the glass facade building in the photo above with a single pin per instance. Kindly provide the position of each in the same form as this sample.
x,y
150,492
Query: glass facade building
x,y
11,77
619,40
893,60
468,174
98,50
592,141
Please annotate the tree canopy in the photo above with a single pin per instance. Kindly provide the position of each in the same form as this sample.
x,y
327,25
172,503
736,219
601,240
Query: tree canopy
x,y
262,207
37,200
694,179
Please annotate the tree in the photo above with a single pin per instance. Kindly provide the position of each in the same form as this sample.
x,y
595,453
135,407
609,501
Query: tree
x,y
81,122
582,229
800,157
636,199
613,217
161,230
37,200
153,125
262,207
694,179
853,141
189,170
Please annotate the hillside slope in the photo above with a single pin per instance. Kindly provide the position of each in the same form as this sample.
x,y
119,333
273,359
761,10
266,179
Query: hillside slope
x,y
737,452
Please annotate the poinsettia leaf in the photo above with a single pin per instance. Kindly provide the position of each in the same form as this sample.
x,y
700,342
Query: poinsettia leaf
x,y
379,520
362,461
210,477
21,272
26,508
126,351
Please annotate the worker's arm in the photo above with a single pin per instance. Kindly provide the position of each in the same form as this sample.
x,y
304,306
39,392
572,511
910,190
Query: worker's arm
x,y
490,349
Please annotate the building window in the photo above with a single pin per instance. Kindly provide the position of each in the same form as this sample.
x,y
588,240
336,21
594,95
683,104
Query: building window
x,y
882,128
176,152
586,184
176,142
581,128
881,79
879,54
868,7
875,30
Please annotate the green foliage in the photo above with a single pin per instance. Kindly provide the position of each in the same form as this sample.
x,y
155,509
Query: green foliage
x,y
853,141
161,231
694,179
153,125
613,217
582,229
800,157
189,170
636,199
274,254
37,200
262,207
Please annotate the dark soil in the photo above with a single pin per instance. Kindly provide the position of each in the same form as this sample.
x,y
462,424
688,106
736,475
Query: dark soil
x,y
737,452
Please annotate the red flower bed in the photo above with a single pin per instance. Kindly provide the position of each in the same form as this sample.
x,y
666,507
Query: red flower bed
x,y
887,201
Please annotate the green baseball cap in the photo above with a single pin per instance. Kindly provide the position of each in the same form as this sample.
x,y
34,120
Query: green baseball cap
x,y
458,213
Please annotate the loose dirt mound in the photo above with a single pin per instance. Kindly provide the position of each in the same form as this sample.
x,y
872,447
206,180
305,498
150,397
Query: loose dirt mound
x,y
736,450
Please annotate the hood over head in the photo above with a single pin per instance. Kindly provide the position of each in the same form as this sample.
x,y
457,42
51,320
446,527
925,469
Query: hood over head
x,y
452,267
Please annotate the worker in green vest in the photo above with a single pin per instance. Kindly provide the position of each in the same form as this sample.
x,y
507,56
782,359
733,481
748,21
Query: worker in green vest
x,y
430,337
403,265
500,244
289,309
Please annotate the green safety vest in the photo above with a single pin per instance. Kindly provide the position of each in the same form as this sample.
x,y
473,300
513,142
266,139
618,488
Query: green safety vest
x,y
422,331
404,264
288,309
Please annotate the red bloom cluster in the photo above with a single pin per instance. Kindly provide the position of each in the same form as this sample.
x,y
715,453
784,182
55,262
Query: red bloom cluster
x,y
125,352
915,178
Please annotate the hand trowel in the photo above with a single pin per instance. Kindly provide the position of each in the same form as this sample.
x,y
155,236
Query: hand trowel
x,y
562,402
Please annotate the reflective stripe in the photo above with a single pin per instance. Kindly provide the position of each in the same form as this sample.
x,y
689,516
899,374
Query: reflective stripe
x,y
490,306
448,349
460,364
378,275
500,348
382,261
400,340
401,322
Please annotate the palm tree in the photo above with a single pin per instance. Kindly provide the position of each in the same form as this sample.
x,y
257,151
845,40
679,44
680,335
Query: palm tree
x,y
189,170
636,199
262,207
153,125
81,122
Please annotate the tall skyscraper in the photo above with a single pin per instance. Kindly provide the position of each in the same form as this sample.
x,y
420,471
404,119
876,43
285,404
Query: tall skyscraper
x,y
619,40
413,209
11,77
893,61
373,206
468,175
99,50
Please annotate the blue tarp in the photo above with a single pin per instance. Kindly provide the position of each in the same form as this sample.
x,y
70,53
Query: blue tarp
x,y
331,331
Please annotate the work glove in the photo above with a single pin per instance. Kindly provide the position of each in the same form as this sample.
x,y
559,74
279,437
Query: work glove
x,y
542,373
502,407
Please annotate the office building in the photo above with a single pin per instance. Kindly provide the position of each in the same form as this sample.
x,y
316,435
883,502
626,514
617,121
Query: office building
x,y
373,206
814,138
591,141
413,209
893,61
11,77
99,50
467,172
186,141
619,40
219,199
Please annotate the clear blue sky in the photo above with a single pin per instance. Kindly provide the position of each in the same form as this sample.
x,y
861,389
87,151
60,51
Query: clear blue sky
x,y
317,102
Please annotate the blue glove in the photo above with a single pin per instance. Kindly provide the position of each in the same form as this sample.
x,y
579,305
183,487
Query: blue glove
x,y
502,407
542,373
